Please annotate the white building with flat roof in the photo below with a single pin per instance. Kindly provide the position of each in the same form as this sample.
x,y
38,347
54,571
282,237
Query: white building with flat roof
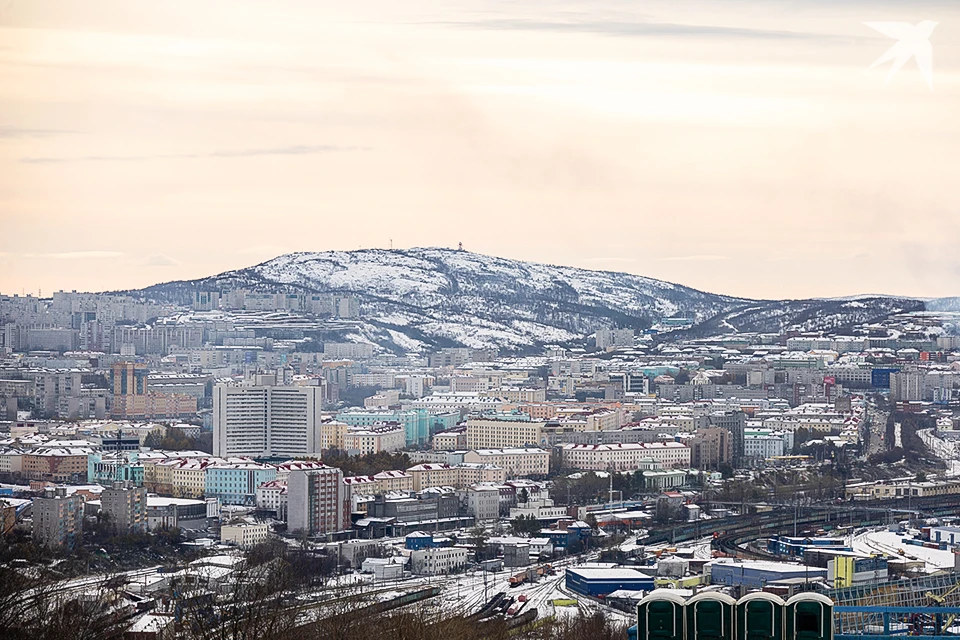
x,y
438,561
244,535
266,421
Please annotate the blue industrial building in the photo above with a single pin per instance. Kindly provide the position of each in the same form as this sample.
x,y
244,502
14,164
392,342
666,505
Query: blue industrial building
x,y
880,378
760,573
561,539
418,540
558,538
599,581
796,546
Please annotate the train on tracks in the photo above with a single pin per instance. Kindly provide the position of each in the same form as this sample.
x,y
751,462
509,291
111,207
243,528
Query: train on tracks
x,y
531,575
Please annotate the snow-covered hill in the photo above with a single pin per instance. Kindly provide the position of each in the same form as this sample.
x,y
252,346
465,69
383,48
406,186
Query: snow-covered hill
x,y
428,297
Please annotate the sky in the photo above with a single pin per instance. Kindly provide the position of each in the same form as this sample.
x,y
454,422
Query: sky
x,y
740,147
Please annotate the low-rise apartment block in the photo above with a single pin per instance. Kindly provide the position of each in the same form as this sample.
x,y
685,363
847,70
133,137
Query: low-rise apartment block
x,y
499,434
521,463
244,535
625,457
438,561
374,439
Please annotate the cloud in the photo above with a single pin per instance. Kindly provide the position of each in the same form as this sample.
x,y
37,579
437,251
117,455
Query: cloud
x,y
626,28
75,255
696,258
160,260
25,132
293,150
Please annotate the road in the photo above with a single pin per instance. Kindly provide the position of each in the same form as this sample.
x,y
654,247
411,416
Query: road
x,y
876,422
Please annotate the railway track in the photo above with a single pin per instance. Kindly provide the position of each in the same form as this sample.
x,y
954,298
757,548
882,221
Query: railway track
x,y
732,532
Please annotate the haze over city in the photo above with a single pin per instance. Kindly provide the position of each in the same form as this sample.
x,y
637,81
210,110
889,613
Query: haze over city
x,y
479,320
742,148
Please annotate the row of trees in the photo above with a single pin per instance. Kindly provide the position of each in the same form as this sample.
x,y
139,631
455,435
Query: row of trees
x,y
175,440
589,488
99,547
367,464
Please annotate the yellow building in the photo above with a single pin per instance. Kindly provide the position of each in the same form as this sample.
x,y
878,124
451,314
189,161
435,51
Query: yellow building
x,y
499,434
517,462
332,433
433,475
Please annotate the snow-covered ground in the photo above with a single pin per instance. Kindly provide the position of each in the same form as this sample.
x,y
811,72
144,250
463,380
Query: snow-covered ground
x,y
947,450
702,548
891,543
466,593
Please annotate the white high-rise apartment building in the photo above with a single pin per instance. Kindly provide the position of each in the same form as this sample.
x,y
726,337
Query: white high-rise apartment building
x,y
265,420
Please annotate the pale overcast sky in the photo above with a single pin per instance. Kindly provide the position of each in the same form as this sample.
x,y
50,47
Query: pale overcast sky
x,y
738,147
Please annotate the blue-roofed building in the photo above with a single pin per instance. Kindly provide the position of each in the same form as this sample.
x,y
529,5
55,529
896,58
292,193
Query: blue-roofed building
x,y
599,581
756,574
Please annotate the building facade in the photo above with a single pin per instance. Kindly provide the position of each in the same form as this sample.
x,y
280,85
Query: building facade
x,y
521,463
374,439
267,420
244,535
438,561
625,457
500,434
57,518
318,501
237,482
126,507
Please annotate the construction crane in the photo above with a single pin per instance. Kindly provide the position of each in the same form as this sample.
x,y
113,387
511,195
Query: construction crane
x,y
941,600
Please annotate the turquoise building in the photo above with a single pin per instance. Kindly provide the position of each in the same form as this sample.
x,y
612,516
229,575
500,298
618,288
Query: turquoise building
x,y
237,482
107,467
418,424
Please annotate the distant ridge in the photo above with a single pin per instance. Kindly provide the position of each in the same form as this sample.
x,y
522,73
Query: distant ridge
x,y
416,299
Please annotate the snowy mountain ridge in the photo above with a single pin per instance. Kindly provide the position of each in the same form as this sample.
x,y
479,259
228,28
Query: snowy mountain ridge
x,y
427,297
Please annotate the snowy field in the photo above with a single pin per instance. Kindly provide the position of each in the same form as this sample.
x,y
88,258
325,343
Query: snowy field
x,y
891,543
466,593
946,450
